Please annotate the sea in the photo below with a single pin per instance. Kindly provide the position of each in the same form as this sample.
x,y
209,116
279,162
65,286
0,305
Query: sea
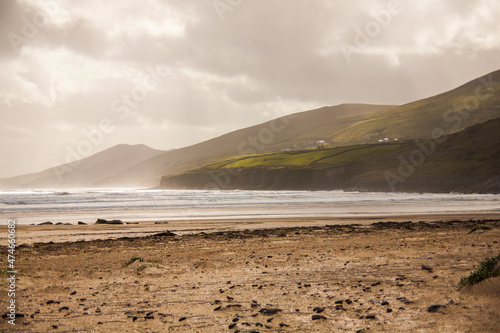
x,y
36,206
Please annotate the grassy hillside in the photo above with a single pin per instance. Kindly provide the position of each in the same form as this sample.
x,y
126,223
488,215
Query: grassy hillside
x,y
472,103
351,124
464,162
295,131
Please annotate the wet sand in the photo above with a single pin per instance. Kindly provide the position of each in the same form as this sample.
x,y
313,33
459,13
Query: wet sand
x,y
256,276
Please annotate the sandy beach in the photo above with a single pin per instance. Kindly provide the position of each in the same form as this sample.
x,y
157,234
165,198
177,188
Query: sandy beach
x,y
312,275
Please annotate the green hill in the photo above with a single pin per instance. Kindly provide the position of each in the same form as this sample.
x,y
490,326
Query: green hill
x,y
472,103
337,126
463,162
353,124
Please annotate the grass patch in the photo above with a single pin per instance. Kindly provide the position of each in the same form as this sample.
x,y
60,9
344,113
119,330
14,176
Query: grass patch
x,y
479,227
485,270
142,267
132,260
146,263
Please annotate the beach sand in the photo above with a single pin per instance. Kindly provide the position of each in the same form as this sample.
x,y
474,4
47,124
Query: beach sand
x,y
269,275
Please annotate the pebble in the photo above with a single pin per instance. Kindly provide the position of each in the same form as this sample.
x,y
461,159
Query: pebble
x,y
434,308
426,268
318,309
233,306
182,318
318,317
269,311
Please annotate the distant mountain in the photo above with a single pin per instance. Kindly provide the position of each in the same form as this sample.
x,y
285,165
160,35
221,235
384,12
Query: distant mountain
x,y
347,124
462,162
88,172
300,130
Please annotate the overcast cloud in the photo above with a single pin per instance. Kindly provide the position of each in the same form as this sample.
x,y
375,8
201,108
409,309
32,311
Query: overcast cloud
x,y
219,65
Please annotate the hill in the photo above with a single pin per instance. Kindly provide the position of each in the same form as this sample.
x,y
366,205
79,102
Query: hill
x,y
347,124
88,172
462,162
300,130
472,103
343,125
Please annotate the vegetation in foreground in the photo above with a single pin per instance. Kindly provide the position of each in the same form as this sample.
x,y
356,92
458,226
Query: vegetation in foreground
x,y
132,260
487,268
479,227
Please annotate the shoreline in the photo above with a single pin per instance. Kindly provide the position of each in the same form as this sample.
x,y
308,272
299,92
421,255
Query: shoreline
x,y
29,234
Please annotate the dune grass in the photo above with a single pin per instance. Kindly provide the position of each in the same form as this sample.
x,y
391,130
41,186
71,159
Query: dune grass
x,y
479,227
132,260
486,269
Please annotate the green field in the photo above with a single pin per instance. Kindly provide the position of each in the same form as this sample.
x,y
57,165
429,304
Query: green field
x,y
471,155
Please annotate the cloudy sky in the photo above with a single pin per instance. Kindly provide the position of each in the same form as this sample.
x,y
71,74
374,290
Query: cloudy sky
x,y
172,73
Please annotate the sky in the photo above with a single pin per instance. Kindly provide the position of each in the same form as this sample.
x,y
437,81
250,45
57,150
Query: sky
x,y
84,76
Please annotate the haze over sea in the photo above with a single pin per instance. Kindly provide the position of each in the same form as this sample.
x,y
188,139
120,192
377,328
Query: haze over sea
x,y
36,206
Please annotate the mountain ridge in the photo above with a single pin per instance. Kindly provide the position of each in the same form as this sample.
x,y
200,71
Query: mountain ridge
x,y
85,172
333,126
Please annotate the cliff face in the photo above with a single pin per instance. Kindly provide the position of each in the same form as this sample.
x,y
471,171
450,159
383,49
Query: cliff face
x,y
254,179
343,178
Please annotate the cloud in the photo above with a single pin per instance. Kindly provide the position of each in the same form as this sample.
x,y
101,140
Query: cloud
x,y
256,61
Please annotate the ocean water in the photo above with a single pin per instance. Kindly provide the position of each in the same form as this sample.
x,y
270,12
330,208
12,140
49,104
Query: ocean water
x,y
35,206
